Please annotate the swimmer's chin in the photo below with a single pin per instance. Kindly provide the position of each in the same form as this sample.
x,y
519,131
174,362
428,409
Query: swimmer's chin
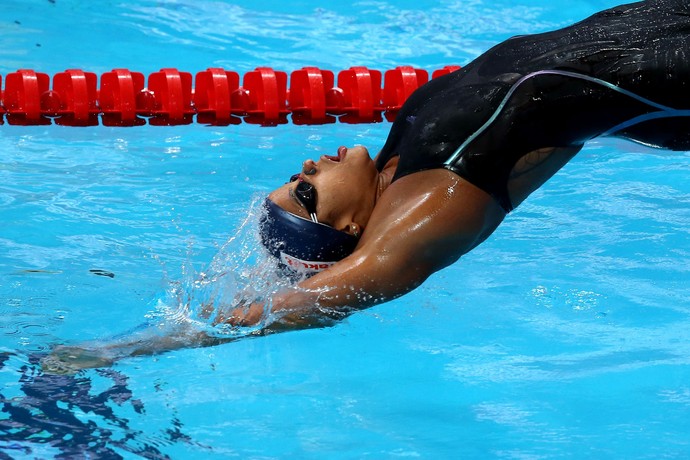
x,y
68,360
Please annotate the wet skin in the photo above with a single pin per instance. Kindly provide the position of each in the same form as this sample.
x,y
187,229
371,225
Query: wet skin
x,y
409,229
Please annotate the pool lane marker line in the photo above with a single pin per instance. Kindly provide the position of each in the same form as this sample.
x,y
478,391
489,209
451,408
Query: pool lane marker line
x,y
214,96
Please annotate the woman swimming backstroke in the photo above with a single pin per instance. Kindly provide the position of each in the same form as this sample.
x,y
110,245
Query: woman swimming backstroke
x,y
469,147
465,150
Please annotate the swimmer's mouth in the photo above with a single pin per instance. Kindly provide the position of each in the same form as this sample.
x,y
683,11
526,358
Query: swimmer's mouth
x,y
342,151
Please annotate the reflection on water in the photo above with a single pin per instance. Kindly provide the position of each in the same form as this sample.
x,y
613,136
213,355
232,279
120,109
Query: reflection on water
x,y
58,416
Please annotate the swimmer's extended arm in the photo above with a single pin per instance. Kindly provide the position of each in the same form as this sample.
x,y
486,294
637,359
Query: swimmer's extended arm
x,y
421,224
148,339
415,230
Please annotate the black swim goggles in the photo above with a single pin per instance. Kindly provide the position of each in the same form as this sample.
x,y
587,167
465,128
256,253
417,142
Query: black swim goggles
x,y
305,194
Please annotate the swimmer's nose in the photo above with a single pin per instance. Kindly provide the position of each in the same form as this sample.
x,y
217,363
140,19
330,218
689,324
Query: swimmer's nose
x,y
309,168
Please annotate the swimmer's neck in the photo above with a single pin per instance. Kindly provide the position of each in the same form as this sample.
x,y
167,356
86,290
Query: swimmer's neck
x,y
386,176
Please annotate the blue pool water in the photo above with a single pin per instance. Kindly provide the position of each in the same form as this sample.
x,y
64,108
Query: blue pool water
x,y
564,336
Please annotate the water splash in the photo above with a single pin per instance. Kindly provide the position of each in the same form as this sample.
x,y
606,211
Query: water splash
x,y
186,313
240,274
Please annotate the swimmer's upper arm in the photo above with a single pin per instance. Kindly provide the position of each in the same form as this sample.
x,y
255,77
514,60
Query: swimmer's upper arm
x,y
421,224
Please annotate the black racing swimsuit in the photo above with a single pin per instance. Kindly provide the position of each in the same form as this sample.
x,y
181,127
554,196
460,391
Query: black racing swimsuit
x,y
623,72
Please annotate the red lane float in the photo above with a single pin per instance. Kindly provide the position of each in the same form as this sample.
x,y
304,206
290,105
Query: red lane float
x,y
308,94
73,98
171,98
122,98
22,98
400,84
214,96
266,91
359,96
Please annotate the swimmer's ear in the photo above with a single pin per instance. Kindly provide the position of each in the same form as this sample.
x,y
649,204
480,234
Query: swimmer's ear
x,y
353,229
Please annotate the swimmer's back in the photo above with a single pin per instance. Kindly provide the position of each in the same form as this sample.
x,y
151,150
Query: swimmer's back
x,y
639,47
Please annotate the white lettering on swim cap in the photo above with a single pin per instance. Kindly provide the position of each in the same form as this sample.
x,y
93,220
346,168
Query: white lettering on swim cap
x,y
304,265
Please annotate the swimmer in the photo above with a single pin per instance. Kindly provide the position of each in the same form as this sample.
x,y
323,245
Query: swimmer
x,y
469,147
463,152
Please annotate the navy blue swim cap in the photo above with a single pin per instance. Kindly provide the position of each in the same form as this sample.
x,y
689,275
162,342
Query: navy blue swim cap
x,y
300,244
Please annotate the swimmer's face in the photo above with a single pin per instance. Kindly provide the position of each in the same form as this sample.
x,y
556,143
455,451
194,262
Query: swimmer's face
x,y
345,186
